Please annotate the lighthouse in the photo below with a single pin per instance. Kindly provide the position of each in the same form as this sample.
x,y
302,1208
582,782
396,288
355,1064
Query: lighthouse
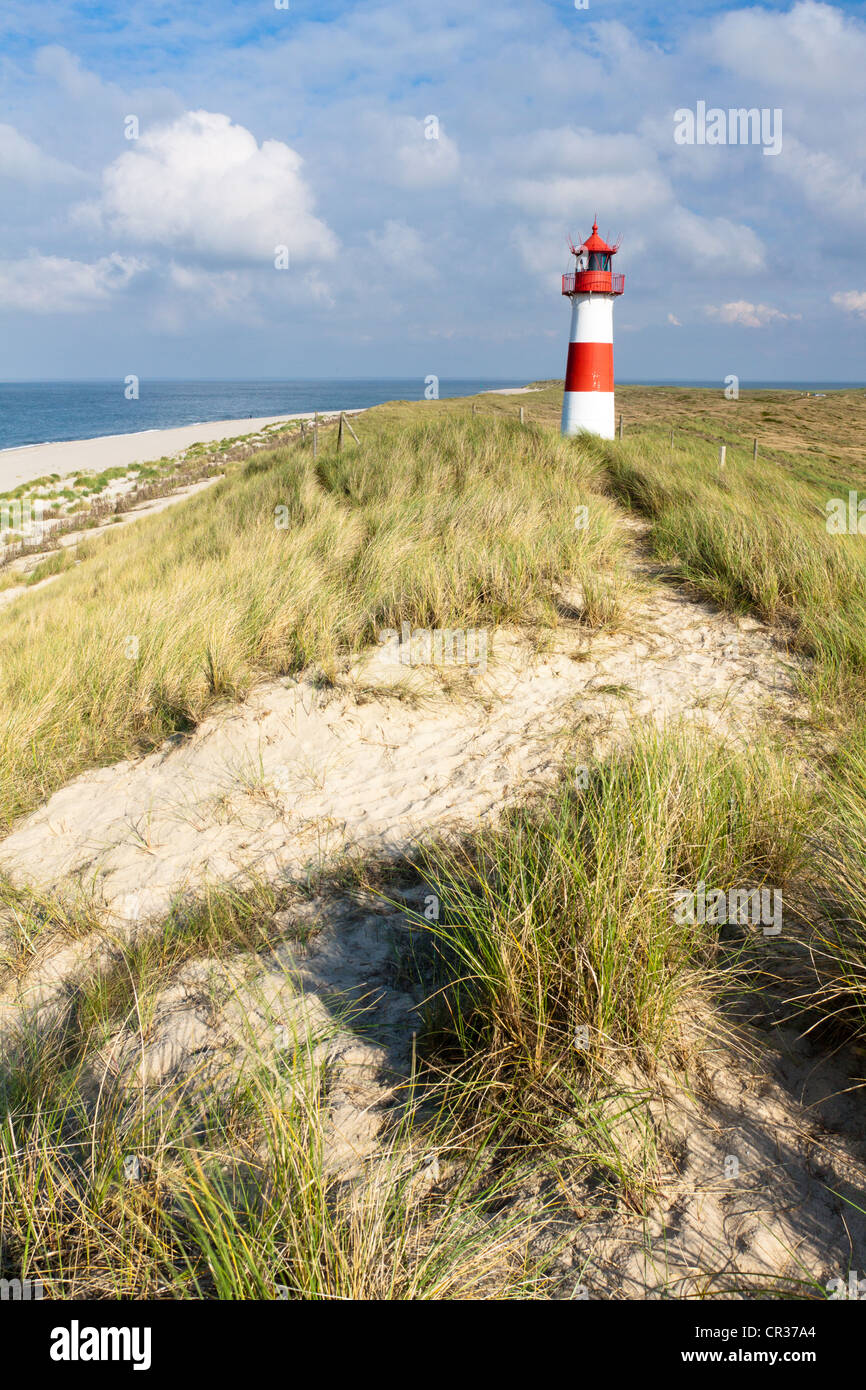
x,y
592,287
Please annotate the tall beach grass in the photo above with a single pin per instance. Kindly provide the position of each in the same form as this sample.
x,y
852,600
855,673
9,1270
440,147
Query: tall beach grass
x,y
290,563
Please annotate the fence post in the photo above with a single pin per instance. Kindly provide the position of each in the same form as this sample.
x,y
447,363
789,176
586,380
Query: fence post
x,y
672,439
340,434
315,434
722,451
351,431
620,426
755,449
521,415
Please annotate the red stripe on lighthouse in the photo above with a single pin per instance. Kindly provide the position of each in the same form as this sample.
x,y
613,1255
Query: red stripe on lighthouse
x,y
589,367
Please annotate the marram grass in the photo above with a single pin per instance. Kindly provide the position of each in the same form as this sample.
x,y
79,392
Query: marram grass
x,y
285,564
559,945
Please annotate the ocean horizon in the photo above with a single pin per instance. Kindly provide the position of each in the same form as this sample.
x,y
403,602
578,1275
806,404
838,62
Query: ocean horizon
x,y
54,412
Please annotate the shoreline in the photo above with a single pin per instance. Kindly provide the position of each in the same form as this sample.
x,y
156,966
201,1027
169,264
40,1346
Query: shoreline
x,y
26,462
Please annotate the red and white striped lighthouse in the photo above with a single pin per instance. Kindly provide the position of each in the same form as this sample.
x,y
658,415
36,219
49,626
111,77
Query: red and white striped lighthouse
x,y
592,287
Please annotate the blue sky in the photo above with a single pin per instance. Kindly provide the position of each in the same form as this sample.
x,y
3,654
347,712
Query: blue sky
x,y
309,128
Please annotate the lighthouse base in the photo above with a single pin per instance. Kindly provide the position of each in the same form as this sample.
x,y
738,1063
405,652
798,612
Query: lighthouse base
x,y
588,411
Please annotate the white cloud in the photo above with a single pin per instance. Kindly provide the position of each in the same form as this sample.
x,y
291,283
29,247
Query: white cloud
x,y
626,183
419,159
548,118
714,242
55,285
201,292
23,161
636,194
854,301
812,47
809,62
672,318
749,315
221,290
826,181
401,248
203,184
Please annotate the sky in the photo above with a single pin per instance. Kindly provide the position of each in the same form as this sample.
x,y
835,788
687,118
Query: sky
x,y
311,188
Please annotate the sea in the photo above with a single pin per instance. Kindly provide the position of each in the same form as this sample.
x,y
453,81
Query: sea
x,y
43,412
48,412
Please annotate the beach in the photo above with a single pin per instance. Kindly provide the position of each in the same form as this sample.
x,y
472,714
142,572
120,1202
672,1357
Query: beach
x,y
120,450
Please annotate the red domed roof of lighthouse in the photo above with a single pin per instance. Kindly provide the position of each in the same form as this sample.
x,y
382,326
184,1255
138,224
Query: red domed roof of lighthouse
x,y
596,243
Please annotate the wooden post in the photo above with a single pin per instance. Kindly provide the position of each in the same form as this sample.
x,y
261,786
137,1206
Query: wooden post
x,y
351,431
755,449
340,434
521,415
722,452
672,439
473,407
620,426
315,434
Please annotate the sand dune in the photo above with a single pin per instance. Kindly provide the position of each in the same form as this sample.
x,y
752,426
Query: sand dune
x,y
289,777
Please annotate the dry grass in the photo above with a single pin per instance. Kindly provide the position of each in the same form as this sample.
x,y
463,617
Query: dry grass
x,y
452,524
557,956
225,1192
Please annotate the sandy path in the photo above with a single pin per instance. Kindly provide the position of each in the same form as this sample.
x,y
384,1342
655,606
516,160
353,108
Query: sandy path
x,y
296,774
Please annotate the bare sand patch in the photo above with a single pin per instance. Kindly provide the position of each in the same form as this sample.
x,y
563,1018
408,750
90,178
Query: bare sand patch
x,y
299,774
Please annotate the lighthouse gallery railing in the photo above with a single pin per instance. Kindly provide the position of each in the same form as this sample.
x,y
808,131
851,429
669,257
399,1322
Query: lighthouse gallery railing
x,y
592,282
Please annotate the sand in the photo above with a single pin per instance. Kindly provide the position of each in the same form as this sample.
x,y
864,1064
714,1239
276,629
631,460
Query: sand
x,y
511,391
759,1159
122,450
295,775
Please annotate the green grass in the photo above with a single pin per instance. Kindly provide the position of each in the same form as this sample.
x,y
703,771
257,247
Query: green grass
x,y
561,919
234,1198
752,537
234,1195
560,981
457,523
56,563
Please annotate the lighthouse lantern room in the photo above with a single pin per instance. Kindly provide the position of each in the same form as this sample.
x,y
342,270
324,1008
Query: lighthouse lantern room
x,y
592,286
